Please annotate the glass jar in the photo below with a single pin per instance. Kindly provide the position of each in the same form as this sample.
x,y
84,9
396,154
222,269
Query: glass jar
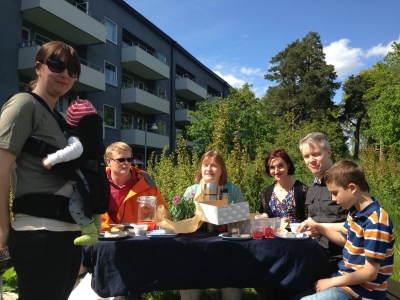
x,y
147,211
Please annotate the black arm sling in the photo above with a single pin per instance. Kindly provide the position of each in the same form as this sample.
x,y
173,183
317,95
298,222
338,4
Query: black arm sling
x,y
43,205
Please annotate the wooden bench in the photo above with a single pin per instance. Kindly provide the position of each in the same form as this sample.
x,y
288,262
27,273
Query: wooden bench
x,y
393,290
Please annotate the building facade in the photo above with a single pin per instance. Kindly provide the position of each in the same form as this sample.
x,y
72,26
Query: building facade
x,y
140,79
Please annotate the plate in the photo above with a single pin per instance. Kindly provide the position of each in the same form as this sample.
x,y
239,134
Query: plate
x,y
302,237
160,234
228,236
116,236
129,225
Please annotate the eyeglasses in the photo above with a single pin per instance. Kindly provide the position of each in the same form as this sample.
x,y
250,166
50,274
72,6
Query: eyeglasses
x,y
121,160
57,66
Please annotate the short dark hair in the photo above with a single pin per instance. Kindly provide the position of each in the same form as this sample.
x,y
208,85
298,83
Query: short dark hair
x,y
344,172
282,154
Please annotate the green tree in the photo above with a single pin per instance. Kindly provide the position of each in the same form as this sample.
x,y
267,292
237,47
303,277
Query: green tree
x,y
354,107
305,82
384,111
217,122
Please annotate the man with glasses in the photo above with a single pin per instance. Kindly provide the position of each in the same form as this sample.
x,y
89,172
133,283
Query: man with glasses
x,y
126,184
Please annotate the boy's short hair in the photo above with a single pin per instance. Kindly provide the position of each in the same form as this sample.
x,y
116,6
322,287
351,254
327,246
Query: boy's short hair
x,y
117,146
344,172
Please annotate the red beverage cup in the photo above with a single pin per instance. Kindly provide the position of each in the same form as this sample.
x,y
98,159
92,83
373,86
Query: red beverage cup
x,y
257,234
269,232
151,224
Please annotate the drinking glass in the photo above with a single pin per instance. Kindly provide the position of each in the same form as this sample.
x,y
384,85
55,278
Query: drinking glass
x,y
269,232
257,232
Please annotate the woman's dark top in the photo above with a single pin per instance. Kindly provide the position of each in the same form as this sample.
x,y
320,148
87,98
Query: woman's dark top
x,y
300,192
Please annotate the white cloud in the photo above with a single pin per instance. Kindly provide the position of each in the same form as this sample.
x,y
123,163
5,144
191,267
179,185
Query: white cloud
x,y
231,79
260,91
349,60
346,60
250,71
380,50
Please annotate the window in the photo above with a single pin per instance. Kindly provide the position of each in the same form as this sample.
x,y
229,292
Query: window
x,y
111,30
162,57
62,104
140,123
25,37
41,40
140,85
162,93
109,116
126,121
179,133
161,127
23,87
126,41
127,82
111,73
84,6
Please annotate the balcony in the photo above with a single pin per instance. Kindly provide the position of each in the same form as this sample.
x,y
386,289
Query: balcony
x,y
182,116
65,20
144,101
136,137
92,77
143,62
188,89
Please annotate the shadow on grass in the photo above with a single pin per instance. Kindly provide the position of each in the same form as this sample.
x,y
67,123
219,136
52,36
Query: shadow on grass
x,y
209,294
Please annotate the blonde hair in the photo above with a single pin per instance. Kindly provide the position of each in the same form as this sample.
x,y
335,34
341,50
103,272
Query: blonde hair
x,y
117,146
56,50
206,158
345,172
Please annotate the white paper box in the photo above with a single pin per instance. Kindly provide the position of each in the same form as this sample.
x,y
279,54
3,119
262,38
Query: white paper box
x,y
224,214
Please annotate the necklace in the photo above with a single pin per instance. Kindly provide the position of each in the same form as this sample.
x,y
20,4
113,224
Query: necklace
x,y
279,187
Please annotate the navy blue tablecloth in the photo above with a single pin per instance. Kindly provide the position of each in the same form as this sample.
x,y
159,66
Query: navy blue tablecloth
x,y
203,260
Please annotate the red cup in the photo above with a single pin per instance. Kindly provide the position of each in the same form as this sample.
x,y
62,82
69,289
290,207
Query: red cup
x,y
151,224
257,234
269,232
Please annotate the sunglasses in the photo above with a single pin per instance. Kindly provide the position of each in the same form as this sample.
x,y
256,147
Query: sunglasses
x,y
122,159
57,66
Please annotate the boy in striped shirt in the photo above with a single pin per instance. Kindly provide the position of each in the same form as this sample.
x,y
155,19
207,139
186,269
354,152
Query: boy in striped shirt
x,y
367,236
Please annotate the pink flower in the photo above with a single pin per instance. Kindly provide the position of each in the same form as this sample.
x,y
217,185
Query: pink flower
x,y
177,200
191,195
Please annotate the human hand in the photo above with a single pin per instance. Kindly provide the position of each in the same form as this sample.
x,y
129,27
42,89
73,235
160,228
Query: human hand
x,y
46,163
323,284
308,225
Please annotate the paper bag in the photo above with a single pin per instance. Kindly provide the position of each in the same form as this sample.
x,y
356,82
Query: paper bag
x,y
164,220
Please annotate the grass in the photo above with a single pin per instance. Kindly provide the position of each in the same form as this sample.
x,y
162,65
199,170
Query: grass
x,y
209,294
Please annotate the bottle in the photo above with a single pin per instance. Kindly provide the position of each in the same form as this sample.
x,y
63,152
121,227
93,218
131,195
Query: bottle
x,y
223,194
210,191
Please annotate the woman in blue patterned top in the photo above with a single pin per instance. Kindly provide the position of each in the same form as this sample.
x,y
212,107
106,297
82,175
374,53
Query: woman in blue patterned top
x,y
286,196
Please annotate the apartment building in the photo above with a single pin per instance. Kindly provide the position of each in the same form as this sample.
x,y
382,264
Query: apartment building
x,y
139,78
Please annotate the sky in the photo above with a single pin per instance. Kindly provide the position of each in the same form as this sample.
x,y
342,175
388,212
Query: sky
x,y
236,39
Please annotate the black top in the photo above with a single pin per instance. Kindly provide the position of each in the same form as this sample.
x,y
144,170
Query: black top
x,y
322,209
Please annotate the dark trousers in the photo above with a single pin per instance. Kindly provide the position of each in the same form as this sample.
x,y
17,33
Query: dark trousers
x,y
46,262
